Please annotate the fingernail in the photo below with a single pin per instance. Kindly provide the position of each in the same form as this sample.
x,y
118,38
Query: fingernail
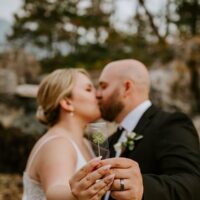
x,y
110,177
96,159
105,167
97,181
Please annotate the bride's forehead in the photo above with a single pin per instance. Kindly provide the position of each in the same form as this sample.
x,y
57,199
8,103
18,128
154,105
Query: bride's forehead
x,y
82,79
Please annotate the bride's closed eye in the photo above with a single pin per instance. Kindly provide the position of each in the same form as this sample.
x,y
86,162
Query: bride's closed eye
x,y
89,88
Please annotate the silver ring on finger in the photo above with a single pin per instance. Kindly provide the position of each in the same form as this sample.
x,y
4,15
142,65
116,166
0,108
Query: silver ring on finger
x,y
122,185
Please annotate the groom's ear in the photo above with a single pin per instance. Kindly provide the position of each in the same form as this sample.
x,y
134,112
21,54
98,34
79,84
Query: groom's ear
x,y
128,87
66,104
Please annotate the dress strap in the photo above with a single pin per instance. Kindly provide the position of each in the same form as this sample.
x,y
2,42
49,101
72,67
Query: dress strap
x,y
80,161
40,146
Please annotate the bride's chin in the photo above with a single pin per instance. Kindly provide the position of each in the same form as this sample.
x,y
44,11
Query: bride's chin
x,y
95,118
98,116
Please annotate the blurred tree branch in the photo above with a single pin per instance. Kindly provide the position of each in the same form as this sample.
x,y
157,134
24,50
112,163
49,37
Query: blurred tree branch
x,y
152,24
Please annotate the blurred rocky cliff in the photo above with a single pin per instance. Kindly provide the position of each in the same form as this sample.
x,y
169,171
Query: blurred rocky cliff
x,y
17,67
19,129
176,85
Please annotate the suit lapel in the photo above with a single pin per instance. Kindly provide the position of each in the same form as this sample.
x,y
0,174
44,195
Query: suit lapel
x,y
139,129
142,124
145,120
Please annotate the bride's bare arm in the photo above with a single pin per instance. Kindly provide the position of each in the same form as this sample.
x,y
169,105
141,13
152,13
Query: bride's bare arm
x,y
56,166
56,173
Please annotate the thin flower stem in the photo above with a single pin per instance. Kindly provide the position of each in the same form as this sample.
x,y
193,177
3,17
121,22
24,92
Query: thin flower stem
x,y
98,149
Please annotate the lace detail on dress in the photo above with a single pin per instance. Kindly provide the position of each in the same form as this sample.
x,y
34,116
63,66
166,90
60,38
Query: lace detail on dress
x,y
33,189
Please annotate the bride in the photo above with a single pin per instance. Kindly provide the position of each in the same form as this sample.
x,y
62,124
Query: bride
x,y
66,104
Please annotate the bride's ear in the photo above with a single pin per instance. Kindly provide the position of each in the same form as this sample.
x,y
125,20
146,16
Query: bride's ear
x,y
66,104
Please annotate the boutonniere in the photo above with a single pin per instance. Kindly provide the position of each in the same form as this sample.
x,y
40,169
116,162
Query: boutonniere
x,y
127,142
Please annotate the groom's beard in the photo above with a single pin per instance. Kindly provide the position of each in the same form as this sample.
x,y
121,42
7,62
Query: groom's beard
x,y
111,108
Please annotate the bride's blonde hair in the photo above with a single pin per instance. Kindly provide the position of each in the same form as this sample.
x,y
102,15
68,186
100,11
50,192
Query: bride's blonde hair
x,y
53,88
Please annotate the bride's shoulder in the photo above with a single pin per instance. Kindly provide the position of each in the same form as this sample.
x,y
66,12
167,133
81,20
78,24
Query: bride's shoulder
x,y
58,143
53,147
58,151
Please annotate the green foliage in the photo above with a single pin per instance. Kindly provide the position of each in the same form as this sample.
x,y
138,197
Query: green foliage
x,y
69,34
189,17
49,25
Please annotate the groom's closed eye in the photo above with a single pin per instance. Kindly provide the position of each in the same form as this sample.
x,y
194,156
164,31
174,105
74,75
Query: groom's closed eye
x,y
103,85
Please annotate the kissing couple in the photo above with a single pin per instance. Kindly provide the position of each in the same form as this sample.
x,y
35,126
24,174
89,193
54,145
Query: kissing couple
x,y
154,154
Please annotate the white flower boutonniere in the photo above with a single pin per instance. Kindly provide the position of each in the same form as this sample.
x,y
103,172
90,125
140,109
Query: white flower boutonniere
x,y
127,142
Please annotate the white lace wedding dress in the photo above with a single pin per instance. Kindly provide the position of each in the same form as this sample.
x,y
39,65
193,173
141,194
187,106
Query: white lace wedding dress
x,y
32,189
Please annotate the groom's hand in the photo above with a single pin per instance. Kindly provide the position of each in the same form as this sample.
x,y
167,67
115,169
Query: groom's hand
x,y
128,183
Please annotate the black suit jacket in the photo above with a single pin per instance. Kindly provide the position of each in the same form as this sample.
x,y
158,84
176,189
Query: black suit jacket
x,y
168,156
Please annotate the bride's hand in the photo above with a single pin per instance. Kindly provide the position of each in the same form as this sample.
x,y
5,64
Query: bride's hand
x,y
92,181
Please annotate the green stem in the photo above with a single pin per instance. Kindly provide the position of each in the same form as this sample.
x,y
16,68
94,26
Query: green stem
x,y
98,149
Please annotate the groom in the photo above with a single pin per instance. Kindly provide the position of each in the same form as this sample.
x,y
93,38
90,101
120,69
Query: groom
x,y
164,156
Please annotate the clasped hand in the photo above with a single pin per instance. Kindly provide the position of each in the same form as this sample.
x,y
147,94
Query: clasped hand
x,y
92,181
98,176
128,171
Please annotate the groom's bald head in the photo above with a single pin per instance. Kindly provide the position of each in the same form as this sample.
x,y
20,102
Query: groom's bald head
x,y
125,83
128,69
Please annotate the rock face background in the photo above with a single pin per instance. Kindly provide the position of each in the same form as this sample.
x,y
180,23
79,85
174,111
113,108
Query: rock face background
x,y
24,65
170,87
175,87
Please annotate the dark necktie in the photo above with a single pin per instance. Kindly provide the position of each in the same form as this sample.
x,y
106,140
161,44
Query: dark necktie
x,y
114,139
119,131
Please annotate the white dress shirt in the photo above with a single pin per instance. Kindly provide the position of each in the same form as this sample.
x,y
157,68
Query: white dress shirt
x,y
131,120
133,117
129,123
